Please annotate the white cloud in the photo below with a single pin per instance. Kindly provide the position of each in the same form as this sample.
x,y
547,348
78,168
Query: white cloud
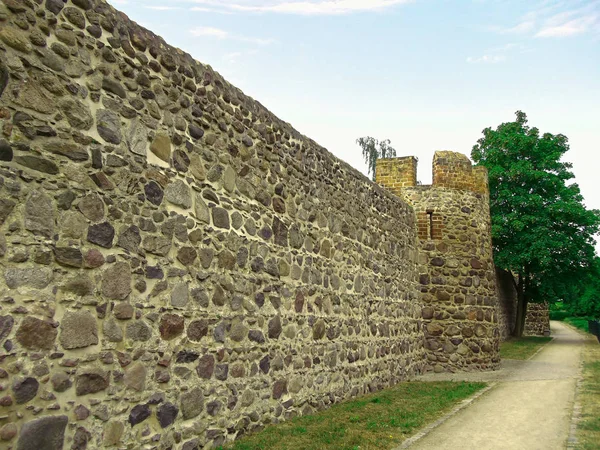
x,y
209,10
486,59
163,8
570,28
210,31
558,18
523,27
303,7
232,57
499,54
218,33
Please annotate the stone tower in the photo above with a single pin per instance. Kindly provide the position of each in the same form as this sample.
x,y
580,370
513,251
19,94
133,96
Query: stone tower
x,y
456,270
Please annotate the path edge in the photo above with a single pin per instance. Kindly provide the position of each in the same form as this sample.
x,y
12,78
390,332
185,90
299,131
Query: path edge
x,y
576,412
432,426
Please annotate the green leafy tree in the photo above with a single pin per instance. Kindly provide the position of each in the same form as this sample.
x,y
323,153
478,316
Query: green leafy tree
x,y
586,299
541,230
372,150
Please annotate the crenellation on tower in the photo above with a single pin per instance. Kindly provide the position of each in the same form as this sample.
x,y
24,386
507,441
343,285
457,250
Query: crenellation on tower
x,y
480,180
452,170
396,173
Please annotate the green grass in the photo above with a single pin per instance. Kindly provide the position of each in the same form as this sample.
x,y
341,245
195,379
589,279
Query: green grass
x,y
522,348
588,429
579,322
558,315
377,421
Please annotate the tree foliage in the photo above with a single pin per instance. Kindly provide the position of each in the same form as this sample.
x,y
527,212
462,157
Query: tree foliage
x,y
586,301
541,230
372,150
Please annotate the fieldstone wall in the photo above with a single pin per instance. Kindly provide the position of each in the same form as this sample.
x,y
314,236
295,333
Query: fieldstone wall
x,y
457,274
177,265
537,320
507,303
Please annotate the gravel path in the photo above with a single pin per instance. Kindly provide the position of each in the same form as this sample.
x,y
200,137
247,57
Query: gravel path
x,y
529,406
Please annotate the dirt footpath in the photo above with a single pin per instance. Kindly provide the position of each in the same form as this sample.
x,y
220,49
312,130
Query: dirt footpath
x,y
529,407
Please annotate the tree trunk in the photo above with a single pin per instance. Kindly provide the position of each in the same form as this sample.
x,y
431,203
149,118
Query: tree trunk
x,y
519,327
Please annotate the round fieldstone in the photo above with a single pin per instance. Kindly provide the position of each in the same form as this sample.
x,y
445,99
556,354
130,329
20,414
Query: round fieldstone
x,y
195,131
68,256
112,330
319,329
116,281
123,311
25,389
61,382
166,414
6,153
138,331
6,326
256,336
15,39
179,194
135,377
39,214
8,431
220,217
161,146
137,138
238,331
55,6
275,327
181,161
180,295
77,113
108,125
201,210
35,163
192,403
154,193
36,334
101,234
75,16
138,414
187,255
78,329
114,87
197,329
206,366
171,326
92,207
91,381
45,433
222,371
93,259
129,238
279,388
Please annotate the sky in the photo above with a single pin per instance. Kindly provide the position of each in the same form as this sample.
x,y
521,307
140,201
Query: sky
x,y
426,74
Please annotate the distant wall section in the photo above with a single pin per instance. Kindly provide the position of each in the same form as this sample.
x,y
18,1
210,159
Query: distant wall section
x,y
537,320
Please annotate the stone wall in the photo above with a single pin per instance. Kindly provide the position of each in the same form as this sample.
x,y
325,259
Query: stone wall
x,y
177,265
457,274
507,303
537,320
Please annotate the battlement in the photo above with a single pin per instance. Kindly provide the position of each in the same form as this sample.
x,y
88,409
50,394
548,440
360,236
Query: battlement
x,y
396,173
450,170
